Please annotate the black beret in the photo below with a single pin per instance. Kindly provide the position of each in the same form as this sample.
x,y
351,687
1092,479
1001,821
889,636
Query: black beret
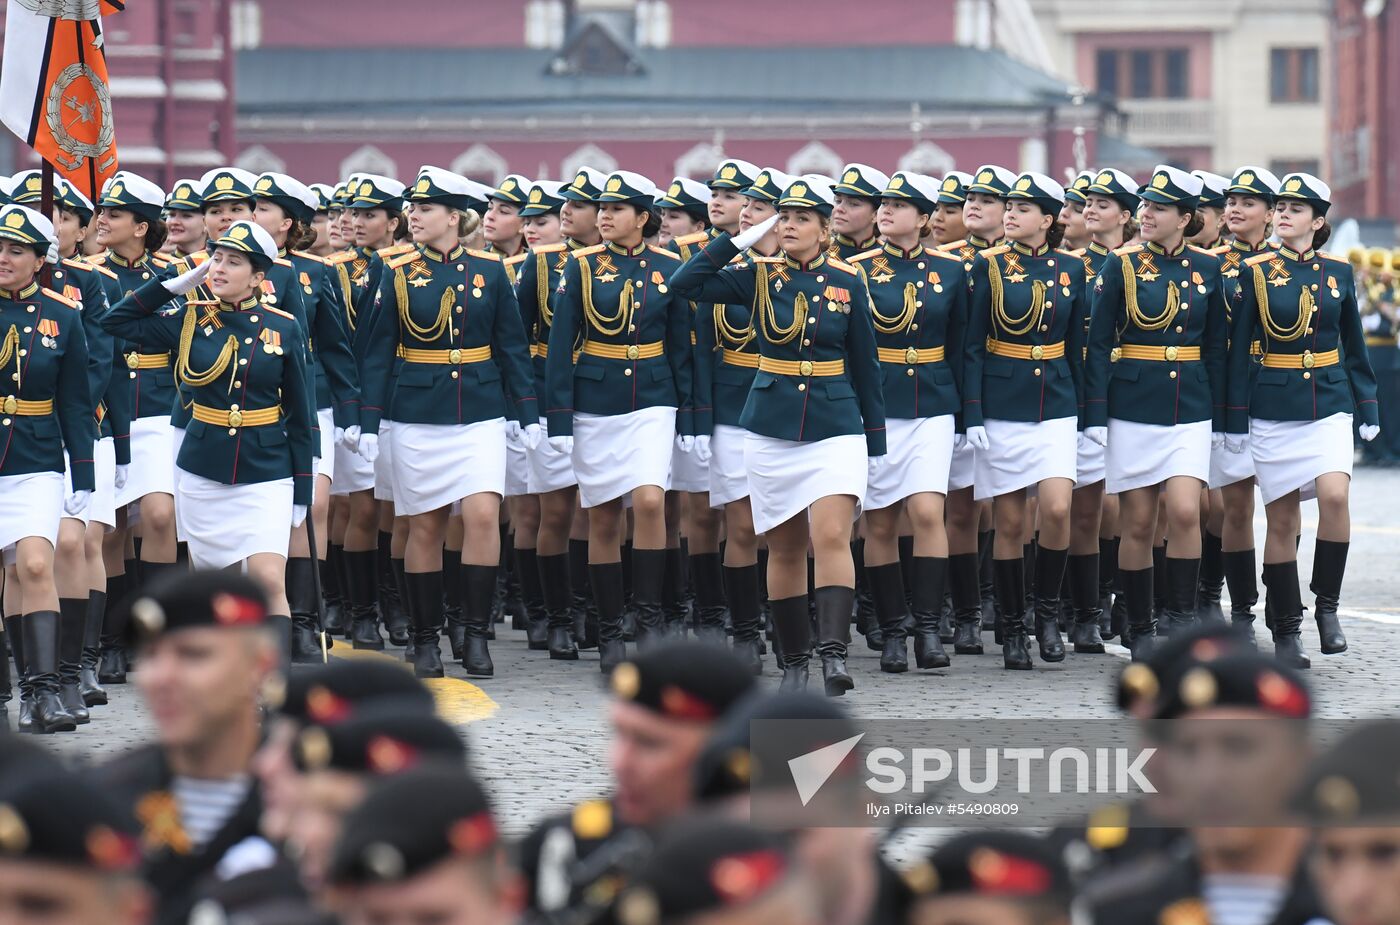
x,y
725,766
270,895
994,863
1143,682
409,823
683,680
1355,781
1236,679
48,813
384,737
704,864
184,600
336,690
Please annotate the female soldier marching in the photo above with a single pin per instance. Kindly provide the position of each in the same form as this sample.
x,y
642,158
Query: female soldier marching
x,y
815,415
919,308
447,328
1297,408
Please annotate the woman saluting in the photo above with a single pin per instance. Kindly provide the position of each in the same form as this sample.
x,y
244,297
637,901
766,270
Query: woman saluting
x,y
241,364
815,414
1297,408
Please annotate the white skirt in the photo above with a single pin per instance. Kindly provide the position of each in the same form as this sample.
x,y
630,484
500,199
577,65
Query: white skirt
x,y
688,473
177,441
102,506
225,524
517,469
437,464
918,459
729,476
384,463
1227,468
325,456
1140,455
615,453
1090,462
786,477
1023,454
550,470
963,470
152,460
1290,455
30,505
352,471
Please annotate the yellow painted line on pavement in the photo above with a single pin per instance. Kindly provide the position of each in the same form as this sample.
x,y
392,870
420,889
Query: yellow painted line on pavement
x,y
457,701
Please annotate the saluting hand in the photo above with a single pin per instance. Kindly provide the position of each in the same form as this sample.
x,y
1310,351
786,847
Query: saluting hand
x,y
746,239
187,280
977,436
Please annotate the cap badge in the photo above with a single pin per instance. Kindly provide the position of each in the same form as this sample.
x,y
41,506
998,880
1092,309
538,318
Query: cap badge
x,y
614,184
728,172
238,232
116,190
1023,184
264,183
508,185
14,220
985,176
366,188
423,185
1160,181
536,195
182,192
762,179
14,834
799,189
674,191
1293,186
949,185
1246,178
852,176
1104,179
223,182
1198,688
897,182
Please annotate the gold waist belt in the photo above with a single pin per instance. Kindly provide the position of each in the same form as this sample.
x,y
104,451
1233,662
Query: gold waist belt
x,y
1305,360
624,351
136,360
1171,354
454,357
801,367
237,417
1025,352
12,405
910,355
738,358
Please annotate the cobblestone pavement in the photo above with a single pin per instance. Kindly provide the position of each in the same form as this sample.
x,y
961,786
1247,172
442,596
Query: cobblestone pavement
x,y
538,731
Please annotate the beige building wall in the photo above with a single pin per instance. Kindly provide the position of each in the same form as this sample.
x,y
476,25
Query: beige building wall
x,y
1228,117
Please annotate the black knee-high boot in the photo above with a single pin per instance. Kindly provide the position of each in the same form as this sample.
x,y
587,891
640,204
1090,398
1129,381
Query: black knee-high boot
x,y
1285,601
1329,565
40,632
1108,575
964,581
793,628
1159,588
1011,594
391,604
111,659
527,573
333,590
867,620
425,606
708,578
834,604
1083,578
906,573
554,588
1028,551
1242,579
452,601
1141,615
13,634
986,582
72,620
362,583
930,581
741,590
1181,599
94,694
6,689
301,597
582,608
1050,574
673,610
886,585
478,595
1212,580
648,587
608,592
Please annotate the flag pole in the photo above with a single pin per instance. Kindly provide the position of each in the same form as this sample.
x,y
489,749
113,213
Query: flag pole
x,y
46,198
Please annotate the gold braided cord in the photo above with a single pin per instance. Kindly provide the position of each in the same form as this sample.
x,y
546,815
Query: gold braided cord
x,y
542,289
901,322
1027,322
726,333
440,323
216,369
605,324
7,349
1306,306
349,292
1135,313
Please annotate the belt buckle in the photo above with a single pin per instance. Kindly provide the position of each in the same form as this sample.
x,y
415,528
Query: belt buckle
x,y
805,367
1037,352
1115,354
11,406
235,419
454,356
133,360
633,351
911,356
1308,359
1171,352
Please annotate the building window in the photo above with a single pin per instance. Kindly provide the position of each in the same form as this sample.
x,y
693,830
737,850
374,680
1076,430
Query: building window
x,y
1293,75
590,155
815,157
368,159
1283,168
1144,73
481,164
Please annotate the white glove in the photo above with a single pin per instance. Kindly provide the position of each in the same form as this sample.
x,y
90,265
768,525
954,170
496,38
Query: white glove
x,y
746,239
187,280
531,435
562,445
685,443
349,437
298,515
76,503
513,433
123,472
959,440
1097,434
1217,440
702,447
873,463
977,436
369,447
1369,431
1234,443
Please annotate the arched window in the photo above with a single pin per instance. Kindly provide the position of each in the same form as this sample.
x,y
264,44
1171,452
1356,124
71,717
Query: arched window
x,y
259,159
815,157
700,162
928,159
590,155
369,159
481,164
